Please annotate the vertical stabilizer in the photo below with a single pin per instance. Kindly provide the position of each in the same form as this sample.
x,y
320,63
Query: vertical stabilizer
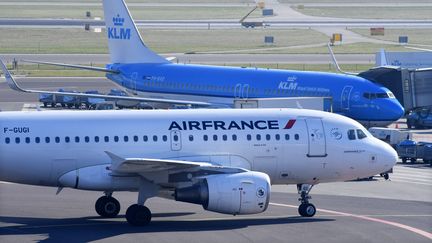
x,y
124,41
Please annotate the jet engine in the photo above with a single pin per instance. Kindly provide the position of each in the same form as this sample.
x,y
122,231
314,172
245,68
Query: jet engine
x,y
240,193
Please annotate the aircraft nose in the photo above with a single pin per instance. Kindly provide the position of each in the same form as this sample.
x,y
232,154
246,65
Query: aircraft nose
x,y
389,157
395,109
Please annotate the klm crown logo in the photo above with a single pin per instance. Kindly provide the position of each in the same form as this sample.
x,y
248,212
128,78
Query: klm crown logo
x,y
118,32
117,21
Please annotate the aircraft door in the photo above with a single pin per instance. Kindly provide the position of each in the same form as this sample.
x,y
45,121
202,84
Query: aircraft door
x,y
237,91
133,82
245,92
345,97
316,138
176,141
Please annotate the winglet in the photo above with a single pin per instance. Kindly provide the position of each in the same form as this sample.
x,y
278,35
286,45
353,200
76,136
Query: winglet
x,y
9,79
383,58
336,63
116,160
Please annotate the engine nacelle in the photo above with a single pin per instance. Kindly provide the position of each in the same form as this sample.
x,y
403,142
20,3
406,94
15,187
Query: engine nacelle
x,y
98,178
241,193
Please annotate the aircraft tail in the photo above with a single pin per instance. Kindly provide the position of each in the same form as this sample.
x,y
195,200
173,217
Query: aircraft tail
x,y
124,41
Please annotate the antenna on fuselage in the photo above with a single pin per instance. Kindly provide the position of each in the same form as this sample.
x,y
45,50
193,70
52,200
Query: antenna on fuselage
x,y
335,63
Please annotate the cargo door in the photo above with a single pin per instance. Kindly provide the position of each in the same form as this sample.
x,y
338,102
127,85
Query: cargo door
x,y
316,138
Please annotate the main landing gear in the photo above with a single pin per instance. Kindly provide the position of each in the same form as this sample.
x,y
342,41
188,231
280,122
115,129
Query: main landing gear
x,y
305,209
107,206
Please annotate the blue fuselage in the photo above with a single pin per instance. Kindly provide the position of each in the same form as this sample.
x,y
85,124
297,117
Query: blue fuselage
x,y
352,96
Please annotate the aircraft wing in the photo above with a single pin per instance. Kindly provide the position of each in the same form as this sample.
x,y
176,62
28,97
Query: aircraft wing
x,y
146,165
14,85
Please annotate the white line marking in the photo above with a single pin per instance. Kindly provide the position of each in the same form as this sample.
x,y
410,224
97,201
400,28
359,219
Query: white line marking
x,y
402,226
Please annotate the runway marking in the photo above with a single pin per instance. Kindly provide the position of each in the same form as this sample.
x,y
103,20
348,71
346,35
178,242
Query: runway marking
x,y
7,183
402,226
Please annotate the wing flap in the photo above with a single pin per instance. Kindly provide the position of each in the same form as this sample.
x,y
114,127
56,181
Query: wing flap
x,y
146,165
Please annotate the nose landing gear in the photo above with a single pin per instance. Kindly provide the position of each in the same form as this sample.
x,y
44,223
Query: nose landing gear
x,y
305,209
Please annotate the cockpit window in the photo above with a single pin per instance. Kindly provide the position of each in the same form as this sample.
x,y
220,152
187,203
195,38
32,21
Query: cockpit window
x,y
351,134
361,134
372,96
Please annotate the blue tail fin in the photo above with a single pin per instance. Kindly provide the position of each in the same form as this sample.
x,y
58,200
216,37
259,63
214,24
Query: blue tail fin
x,y
124,41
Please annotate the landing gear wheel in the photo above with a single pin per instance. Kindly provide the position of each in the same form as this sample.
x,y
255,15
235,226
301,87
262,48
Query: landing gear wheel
x,y
138,215
107,207
307,210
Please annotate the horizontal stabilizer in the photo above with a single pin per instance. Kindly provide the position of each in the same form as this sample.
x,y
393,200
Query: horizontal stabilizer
x,y
98,69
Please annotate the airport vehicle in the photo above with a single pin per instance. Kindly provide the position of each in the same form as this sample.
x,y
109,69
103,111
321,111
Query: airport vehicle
x,y
155,79
392,136
223,159
313,103
420,118
412,150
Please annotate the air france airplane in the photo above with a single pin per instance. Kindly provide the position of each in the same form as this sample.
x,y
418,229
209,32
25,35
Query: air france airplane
x,y
223,159
154,78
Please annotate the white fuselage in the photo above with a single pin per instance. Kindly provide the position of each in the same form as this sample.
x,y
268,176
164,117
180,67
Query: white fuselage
x,y
292,146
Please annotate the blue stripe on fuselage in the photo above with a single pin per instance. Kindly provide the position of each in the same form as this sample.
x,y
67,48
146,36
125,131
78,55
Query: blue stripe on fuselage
x,y
231,82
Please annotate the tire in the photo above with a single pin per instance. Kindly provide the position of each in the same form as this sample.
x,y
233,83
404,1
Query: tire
x,y
307,210
413,160
138,215
404,160
107,207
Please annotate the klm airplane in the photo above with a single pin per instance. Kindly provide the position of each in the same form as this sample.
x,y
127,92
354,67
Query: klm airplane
x,y
153,78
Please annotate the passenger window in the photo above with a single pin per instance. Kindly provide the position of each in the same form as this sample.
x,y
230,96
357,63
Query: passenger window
x,y
165,138
296,137
7,140
258,137
155,138
234,137
17,140
145,138
287,136
106,139
27,140
205,137
191,138
176,138
277,137
67,139
224,137
215,137
116,139
268,137
96,139
249,137
86,139
77,139
126,138
361,134
57,139
135,138
47,140
37,139
351,134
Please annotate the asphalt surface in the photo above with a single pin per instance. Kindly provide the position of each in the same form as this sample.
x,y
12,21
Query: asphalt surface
x,y
214,58
30,213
